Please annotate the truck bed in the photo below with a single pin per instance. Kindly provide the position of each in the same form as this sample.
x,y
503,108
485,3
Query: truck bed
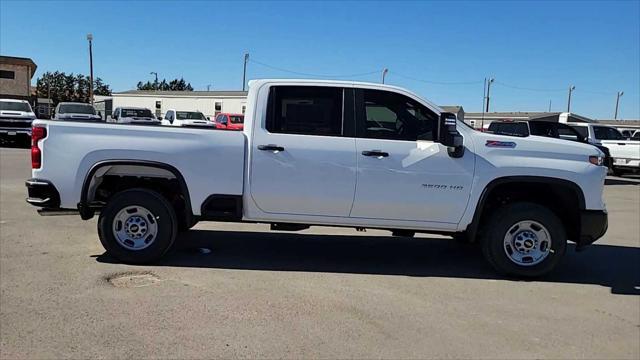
x,y
210,161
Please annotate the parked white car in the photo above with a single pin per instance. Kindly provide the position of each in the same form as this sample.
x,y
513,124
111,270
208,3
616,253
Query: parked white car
x,y
74,111
134,115
334,153
625,153
16,117
186,118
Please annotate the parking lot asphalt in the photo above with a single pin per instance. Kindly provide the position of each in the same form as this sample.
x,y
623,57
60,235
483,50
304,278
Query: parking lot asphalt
x,y
319,293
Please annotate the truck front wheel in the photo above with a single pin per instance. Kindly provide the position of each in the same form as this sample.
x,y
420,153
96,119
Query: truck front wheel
x,y
524,239
137,226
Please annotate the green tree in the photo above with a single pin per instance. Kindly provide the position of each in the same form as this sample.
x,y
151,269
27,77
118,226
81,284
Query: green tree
x,y
61,87
173,85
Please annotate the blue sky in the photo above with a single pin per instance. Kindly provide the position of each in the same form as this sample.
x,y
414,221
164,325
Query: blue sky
x,y
541,45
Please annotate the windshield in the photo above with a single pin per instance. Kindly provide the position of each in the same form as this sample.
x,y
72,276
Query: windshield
x,y
76,109
15,106
137,113
236,119
509,128
582,130
189,115
607,133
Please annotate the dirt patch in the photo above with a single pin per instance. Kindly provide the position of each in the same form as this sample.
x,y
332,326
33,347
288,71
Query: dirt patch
x,y
132,279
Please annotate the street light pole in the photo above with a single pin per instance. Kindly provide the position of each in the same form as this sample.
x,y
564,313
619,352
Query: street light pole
x,y
244,71
484,98
489,92
90,38
571,88
620,93
155,84
384,74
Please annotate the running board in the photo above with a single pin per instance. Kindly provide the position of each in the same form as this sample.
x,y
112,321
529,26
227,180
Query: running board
x,y
57,212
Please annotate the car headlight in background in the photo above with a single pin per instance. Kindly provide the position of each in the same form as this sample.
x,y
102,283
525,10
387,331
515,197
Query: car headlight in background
x,y
596,160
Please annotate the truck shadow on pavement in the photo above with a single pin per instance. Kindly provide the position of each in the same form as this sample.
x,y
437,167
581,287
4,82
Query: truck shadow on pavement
x,y
616,267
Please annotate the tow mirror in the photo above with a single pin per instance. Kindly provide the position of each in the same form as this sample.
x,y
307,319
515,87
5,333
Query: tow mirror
x,y
448,135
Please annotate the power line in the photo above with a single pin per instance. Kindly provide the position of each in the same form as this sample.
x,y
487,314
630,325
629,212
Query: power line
x,y
527,88
436,82
313,75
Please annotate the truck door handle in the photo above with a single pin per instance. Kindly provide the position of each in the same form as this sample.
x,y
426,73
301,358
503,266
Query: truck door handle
x,y
270,147
376,153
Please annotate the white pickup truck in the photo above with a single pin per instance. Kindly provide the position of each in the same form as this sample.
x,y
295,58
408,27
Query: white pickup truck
x,y
331,153
625,153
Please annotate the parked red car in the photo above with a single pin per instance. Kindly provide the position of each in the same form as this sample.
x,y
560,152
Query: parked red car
x,y
230,121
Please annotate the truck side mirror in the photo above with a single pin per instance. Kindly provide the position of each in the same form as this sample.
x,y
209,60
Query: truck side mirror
x,y
448,135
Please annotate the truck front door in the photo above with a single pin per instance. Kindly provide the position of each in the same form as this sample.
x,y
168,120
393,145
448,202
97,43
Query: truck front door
x,y
403,174
303,160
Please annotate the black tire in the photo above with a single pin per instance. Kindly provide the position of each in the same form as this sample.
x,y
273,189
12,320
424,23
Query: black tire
x,y
164,216
503,220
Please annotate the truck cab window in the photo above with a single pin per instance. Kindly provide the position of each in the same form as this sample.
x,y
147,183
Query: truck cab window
x,y
308,110
387,115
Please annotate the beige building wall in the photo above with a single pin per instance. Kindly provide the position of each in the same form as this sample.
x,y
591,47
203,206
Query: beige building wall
x,y
20,85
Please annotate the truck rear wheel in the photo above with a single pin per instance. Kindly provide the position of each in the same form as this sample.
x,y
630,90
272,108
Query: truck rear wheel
x,y
137,226
524,239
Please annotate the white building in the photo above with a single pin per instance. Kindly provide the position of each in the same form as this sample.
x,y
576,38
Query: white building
x,y
210,103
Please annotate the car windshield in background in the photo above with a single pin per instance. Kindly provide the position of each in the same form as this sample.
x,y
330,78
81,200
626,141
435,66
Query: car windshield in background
x,y
506,128
607,133
189,115
146,113
77,109
582,130
14,106
236,119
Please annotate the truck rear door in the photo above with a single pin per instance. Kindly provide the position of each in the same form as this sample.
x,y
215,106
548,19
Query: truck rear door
x,y
303,154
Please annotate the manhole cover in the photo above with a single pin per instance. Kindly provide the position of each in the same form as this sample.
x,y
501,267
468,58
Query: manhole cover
x,y
132,279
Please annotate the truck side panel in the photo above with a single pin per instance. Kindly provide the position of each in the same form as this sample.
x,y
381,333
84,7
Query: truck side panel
x,y
211,162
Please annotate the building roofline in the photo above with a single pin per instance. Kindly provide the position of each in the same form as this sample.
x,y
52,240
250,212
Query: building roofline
x,y
14,60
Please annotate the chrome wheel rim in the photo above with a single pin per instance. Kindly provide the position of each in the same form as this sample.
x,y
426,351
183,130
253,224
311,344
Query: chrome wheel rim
x,y
135,227
527,243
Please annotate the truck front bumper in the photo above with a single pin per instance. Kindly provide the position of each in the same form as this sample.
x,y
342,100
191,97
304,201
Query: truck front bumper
x,y
42,194
593,225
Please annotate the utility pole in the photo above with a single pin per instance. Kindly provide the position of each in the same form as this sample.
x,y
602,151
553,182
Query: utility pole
x,y
244,72
484,98
571,88
489,91
155,84
208,87
615,115
384,74
549,105
90,38
49,96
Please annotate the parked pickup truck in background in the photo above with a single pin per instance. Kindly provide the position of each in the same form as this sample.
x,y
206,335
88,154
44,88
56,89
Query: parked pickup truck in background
x,y
333,153
16,117
187,118
547,129
625,153
72,111
133,115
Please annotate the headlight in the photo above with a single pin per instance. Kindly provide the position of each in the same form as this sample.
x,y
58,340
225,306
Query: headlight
x,y
596,160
